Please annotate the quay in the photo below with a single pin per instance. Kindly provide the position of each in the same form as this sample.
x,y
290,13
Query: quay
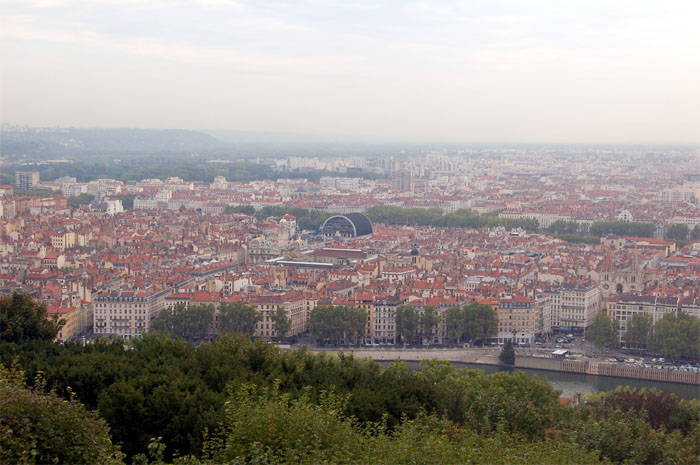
x,y
489,356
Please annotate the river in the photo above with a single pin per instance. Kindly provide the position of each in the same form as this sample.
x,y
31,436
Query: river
x,y
571,383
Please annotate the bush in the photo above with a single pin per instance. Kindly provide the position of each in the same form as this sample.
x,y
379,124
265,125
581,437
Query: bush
x,y
36,427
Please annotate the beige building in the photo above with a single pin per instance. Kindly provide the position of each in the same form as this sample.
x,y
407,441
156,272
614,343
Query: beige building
x,y
574,309
295,307
517,319
78,320
127,313
623,308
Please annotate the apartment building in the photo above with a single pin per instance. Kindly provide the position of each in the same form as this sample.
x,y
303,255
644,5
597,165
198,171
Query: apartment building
x,y
623,308
517,319
127,313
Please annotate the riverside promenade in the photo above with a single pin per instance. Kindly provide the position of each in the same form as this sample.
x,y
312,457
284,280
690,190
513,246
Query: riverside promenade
x,y
489,356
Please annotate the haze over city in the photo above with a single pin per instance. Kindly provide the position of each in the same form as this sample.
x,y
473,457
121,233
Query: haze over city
x,y
488,71
362,232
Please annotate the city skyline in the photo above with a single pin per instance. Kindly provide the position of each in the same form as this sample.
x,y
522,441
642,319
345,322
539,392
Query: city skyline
x,y
484,73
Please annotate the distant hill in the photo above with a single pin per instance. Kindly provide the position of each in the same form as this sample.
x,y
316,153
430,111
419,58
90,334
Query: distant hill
x,y
77,143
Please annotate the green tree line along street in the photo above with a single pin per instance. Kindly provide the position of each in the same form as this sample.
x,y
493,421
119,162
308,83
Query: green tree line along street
x,y
158,400
135,169
676,335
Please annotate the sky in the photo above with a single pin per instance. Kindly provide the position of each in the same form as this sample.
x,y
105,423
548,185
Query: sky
x,y
492,71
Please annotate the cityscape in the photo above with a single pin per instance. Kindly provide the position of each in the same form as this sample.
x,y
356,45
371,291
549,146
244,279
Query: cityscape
x,y
369,232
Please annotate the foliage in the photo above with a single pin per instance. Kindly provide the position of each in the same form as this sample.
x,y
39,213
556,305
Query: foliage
x,y
390,214
238,318
38,427
576,239
82,199
677,335
677,232
245,209
271,427
473,323
638,426
659,409
127,200
37,192
695,233
429,320
603,332
622,228
510,402
297,403
639,330
333,323
21,319
406,322
281,321
507,356
186,322
564,227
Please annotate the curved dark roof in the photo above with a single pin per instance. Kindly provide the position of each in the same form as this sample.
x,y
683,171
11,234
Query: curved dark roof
x,y
360,223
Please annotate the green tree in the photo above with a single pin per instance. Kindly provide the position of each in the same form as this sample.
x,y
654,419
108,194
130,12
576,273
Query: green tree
x,y
21,319
238,318
82,199
282,323
454,319
480,322
603,332
406,322
245,209
622,228
38,427
563,227
127,200
677,232
695,233
507,356
639,330
429,321
186,322
677,335
333,323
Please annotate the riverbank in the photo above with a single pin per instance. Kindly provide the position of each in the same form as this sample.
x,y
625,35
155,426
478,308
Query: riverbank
x,y
489,356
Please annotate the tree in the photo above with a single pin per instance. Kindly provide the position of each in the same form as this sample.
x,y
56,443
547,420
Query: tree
x,y
507,356
38,427
22,319
677,232
639,330
82,199
281,321
480,322
238,318
603,332
127,200
563,227
695,233
453,320
187,322
677,335
429,321
406,322
333,323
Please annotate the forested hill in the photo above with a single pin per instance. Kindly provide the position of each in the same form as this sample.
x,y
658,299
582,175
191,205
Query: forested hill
x,y
80,142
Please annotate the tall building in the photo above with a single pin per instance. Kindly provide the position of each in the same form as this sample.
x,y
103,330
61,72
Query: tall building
x,y
127,313
402,180
26,179
517,319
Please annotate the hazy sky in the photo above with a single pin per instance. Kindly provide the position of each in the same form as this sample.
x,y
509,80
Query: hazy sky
x,y
482,71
